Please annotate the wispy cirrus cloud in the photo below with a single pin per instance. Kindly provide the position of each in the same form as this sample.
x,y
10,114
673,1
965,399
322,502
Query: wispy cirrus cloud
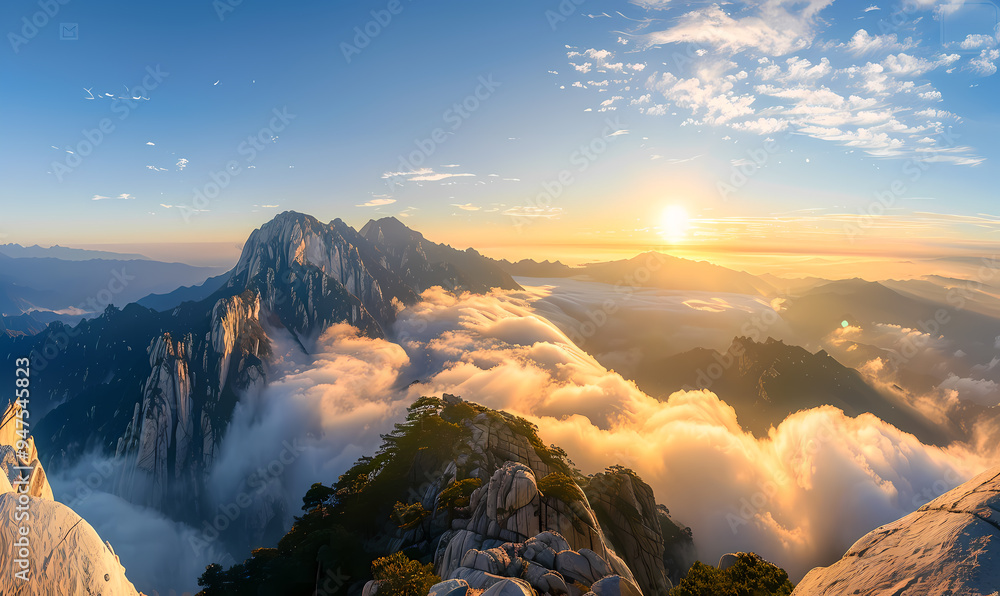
x,y
424,175
122,197
377,202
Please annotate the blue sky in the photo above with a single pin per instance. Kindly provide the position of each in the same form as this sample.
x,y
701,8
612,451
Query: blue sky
x,y
766,122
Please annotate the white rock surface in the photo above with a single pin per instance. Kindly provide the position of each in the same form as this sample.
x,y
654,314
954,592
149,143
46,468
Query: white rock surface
x,y
63,553
451,587
948,547
510,587
11,459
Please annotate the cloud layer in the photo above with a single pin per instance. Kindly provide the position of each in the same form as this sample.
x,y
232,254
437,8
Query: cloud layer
x,y
799,497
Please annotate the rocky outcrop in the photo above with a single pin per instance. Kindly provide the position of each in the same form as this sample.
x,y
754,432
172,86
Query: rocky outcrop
x,y
170,440
948,546
532,517
19,457
627,510
46,548
515,531
162,425
63,554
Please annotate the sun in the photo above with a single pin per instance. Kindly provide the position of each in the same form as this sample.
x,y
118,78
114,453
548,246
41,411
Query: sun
x,y
674,223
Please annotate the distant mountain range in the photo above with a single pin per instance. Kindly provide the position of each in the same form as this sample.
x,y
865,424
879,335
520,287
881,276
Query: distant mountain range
x,y
766,381
651,270
66,254
74,288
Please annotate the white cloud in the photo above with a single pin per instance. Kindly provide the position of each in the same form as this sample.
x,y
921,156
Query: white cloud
x,y
715,98
974,41
864,43
123,197
983,64
151,143
762,126
466,206
433,177
737,56
182,163
774,29
377,203
424,175
652,4
910,66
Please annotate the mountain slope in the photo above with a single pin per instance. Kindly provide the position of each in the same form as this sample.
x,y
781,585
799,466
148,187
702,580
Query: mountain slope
x,y
423,264
173,299
948,546
767,381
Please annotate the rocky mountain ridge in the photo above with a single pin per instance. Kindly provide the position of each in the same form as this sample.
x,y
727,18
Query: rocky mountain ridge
x,y
474,493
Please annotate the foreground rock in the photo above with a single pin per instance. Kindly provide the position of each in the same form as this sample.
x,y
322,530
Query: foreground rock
x,y
46,548
512,534
948,546
64,554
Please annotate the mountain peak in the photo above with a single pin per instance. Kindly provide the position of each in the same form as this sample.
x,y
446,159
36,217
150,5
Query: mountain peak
x,y
389,230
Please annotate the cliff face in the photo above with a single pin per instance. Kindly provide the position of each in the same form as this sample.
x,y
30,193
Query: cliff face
x,y
313,274
948,546
170,441
13,461
422,264
60,553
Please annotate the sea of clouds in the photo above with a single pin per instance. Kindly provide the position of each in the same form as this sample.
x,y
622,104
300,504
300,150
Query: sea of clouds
x,y
799,497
